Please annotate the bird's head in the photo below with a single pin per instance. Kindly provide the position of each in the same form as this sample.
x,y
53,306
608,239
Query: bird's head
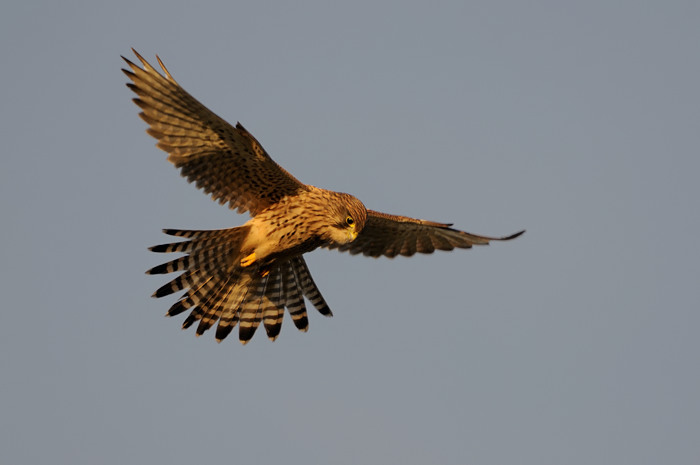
x,y
347,217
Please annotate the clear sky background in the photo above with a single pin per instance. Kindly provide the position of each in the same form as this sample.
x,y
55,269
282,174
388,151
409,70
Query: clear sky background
x,y
577,343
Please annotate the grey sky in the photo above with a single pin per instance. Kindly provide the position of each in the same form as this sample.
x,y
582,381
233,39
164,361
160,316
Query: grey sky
x,y
574,344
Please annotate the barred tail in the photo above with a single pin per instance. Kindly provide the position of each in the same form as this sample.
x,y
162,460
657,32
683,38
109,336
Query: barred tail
x,y
219,289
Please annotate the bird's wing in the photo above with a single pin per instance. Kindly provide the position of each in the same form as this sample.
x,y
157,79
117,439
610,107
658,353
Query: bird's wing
x,y
392,235
226,162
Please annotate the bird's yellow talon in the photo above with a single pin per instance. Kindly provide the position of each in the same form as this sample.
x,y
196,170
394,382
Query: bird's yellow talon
x,y
249,260
265,273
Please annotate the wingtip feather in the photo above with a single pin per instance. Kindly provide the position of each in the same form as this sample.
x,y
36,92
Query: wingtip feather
x,y
512,236
165,70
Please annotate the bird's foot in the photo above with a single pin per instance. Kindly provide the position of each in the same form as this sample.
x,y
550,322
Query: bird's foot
x,y
249,260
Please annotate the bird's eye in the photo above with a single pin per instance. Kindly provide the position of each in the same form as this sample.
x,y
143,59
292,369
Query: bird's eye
x,y
349,221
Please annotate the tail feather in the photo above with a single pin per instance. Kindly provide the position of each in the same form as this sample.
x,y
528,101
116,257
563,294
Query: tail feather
x,y
192,233
230,314
213,307
200,297
251,311
185,280
211,258
273,305
219,290
210,250
199,240
190,299
295,299
193,317
308,286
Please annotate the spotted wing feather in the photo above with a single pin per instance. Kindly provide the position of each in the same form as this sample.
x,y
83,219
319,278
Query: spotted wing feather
x,y
226,162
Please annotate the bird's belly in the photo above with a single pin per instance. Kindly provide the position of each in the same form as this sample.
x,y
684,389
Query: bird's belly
x,y
272,242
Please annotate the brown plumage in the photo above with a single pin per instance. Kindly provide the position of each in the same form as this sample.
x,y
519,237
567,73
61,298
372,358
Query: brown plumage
x,y
251,273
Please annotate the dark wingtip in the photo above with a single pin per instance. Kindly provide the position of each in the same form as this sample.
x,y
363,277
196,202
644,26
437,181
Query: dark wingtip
x,y
512,236
302,323
160,269
177,308
188,321
325,310
160,248
164,290
246,333
222,332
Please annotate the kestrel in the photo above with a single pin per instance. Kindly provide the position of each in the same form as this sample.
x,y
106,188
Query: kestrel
x,y
251,273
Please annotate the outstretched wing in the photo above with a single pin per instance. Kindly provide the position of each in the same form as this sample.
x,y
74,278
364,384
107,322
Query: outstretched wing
x,y
226,162
392,235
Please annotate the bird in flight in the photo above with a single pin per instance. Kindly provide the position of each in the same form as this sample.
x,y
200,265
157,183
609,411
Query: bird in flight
x,y
251,273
